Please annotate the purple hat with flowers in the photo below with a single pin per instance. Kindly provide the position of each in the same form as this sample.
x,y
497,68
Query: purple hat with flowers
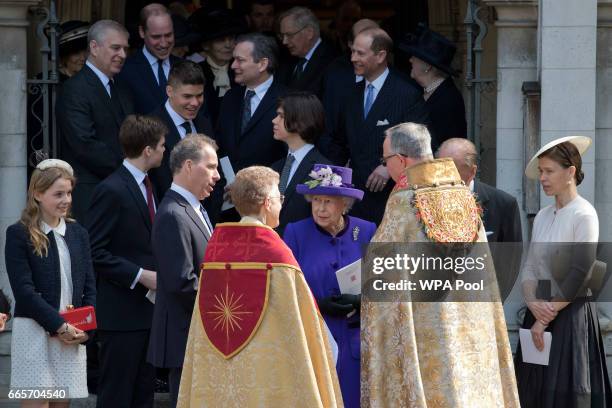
x,y
330,180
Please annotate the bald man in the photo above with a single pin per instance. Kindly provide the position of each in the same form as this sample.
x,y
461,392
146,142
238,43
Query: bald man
x,y
501,215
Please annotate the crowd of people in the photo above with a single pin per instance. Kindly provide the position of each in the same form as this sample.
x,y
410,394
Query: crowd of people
x,y
210,184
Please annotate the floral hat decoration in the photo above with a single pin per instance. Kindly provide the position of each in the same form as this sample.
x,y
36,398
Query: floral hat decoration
x,y
330,180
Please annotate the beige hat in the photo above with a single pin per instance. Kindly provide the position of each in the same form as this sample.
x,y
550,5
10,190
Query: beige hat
x,y
582,143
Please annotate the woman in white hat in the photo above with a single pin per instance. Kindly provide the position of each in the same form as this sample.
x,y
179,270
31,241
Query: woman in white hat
x,y
557,291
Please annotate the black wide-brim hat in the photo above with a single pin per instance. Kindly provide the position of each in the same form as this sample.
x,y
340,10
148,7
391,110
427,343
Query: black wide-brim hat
x,y
217,23
184,35
434,49
73,37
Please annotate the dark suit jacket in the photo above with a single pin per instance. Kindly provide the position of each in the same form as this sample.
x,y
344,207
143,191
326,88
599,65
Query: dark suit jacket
x,y
35,281
446,114
295,206
212,101
501,216
120,229
161,177
255,145
360,140
89,132
138,75
312,77
179,241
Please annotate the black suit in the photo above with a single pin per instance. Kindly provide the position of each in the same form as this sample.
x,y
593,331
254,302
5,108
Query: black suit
x,y
161,177
446,114
296,207
502,223
253,146
89,125
138,74
311,79
360,140
120,228
35,280
179,241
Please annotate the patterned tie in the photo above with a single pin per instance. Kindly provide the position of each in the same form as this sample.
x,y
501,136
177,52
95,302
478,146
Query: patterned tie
x,y
299,69
187,126
206,219
161,76
369,100
284,178
150,201
246,112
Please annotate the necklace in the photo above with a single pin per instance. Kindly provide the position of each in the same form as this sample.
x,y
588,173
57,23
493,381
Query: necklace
x,y
434,85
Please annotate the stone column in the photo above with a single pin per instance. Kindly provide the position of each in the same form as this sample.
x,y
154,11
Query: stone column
x,y
568,75
13,175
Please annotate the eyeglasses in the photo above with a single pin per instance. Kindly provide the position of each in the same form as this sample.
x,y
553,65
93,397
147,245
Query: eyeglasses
x,y
280,197
281,36
384,159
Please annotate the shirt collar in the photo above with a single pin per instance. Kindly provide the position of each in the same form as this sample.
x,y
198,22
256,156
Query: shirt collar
x,y
300,153
261,89
471,186
103,78
252,220
138,174
379,82
312,50
176,118
187,195
152,58
60,229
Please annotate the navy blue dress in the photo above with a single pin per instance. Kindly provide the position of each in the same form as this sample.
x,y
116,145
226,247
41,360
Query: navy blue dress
x,y
320,255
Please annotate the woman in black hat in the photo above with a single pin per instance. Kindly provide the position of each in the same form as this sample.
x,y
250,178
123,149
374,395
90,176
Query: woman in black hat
x,y
431,60
218,29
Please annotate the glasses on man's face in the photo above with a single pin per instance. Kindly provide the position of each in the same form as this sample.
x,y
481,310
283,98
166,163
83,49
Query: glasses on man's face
x,y
280,197
385,159
289,36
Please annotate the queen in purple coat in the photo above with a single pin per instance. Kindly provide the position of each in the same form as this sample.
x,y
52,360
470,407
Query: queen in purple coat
x,y
324,243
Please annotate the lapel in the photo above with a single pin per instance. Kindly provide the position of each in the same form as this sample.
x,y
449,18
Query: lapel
x,y
268,101
300,173
358,98
149,76
100,94
136,194
381,103
190,213
481,193
173,137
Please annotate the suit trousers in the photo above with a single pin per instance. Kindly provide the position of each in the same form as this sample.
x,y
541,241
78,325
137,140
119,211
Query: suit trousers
x,y
126,379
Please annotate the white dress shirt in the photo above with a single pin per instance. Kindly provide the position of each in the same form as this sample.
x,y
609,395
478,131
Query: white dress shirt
x,y
154,63
377,84
194,203
260,92
178,120
299,155
59,233
103,78
308,56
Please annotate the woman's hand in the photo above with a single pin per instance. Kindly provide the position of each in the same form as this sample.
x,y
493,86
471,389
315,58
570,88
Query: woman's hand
x,y
542,310
3,320
537,334
71,335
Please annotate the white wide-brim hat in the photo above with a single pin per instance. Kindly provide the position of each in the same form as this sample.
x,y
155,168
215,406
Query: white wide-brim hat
x,y
582,143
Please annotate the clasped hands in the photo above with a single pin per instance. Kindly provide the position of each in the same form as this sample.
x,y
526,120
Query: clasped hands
x,y
544,312
339,305
71,335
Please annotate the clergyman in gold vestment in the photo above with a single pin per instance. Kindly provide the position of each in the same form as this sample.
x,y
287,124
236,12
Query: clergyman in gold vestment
x,y
432,354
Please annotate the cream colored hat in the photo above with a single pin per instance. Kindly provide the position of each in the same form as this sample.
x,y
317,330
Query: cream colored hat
x,y
582,143
49,163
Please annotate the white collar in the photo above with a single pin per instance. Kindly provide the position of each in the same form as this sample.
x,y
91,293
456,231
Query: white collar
x,y
187,195
249,219
308,56
138,174
60,229
103,78
152,58
176,118
300,153
471,186
379,82
261,89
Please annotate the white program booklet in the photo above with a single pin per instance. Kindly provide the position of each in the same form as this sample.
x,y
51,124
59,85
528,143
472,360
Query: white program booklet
x,y
228,172
151,296
349,278
530,353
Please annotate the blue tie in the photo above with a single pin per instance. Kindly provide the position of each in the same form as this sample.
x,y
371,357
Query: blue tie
x,y
161,75
369,100
206,219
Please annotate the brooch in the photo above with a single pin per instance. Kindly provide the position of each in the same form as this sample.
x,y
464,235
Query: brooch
x,y
355,233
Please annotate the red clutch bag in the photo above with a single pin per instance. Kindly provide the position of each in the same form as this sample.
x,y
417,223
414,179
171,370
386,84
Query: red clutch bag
x,y
83,318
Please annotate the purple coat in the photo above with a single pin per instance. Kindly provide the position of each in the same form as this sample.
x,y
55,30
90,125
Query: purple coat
x,y
320,255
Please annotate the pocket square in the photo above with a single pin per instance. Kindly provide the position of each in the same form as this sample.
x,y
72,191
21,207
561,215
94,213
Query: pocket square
x,y
382,122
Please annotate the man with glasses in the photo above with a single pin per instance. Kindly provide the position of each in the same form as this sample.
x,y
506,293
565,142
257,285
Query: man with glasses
x,y
300,33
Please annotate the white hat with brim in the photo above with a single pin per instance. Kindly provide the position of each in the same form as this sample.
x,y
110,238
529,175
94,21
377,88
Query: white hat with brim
x,y
582,143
